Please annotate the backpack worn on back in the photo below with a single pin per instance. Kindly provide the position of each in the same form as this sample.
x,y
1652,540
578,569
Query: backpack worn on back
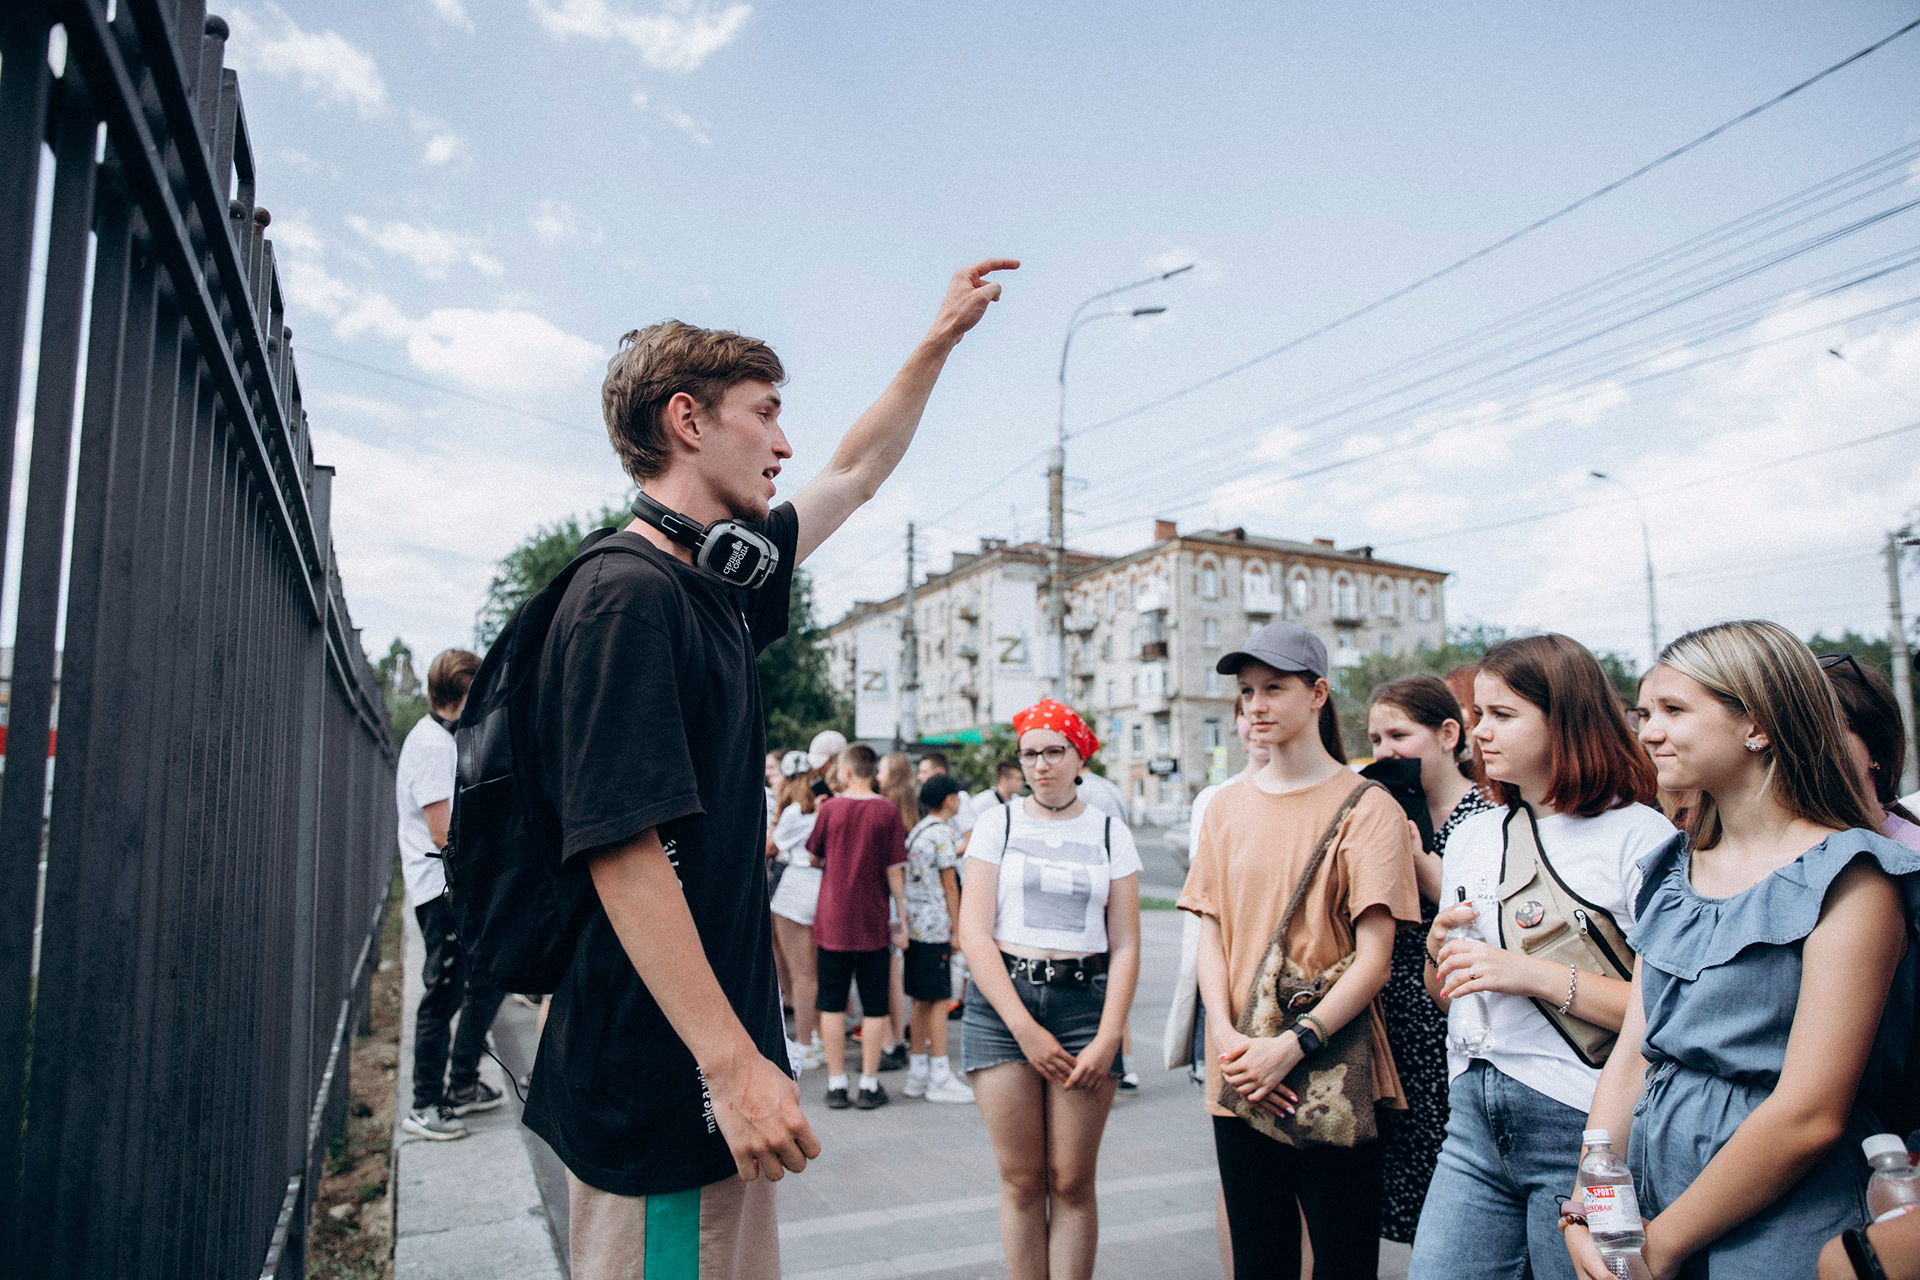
x,y
517,910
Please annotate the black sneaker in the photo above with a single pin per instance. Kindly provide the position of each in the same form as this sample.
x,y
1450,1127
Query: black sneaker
x,y
894,1059
871,1098
434,1123
837,1099
478,1096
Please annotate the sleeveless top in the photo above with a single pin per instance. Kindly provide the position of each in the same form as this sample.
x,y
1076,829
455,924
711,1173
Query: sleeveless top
x,y
1720,979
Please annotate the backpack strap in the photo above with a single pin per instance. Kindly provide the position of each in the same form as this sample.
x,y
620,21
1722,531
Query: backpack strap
x,y
1106,839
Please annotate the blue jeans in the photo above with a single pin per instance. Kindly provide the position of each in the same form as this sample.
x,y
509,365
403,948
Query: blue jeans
x,y
1492,1210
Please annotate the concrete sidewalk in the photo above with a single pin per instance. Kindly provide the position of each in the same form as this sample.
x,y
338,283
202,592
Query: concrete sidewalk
x,y
471,1209
908,1190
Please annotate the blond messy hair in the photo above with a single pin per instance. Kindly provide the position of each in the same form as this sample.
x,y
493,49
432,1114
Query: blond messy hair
x,y
1761,670
658,362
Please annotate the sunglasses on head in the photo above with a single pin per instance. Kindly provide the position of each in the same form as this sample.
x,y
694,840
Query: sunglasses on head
x,y
1828,661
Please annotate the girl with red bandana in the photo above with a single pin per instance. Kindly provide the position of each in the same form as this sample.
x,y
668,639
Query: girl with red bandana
x,y
1050,925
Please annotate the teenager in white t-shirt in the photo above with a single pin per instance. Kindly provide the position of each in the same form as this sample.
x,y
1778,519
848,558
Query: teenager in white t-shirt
x,y
1050,923
1550,734
446,1066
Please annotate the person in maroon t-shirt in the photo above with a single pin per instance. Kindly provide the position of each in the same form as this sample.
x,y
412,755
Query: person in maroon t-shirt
x,y
860,845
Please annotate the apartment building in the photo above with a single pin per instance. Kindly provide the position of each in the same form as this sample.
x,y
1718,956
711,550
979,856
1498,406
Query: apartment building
x,y
1144,631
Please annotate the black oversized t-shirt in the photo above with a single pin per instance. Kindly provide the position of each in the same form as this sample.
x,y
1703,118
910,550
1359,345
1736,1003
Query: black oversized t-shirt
x,y
649,716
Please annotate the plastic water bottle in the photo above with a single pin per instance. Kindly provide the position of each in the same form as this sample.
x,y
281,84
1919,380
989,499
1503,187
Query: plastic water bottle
x,y
1612,1206
1895,1186
1470,1029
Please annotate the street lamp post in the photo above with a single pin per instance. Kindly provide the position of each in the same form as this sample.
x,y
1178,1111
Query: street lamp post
x,y
1902,661
1646,548
1057,481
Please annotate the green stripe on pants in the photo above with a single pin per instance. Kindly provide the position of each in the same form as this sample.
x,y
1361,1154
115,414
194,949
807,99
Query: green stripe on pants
x,y
673,1236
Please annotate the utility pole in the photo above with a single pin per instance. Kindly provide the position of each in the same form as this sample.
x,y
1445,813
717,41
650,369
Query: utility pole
x,y
1902,660
908,728
1646,551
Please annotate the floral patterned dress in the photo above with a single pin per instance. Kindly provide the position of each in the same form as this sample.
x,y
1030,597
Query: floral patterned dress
x,y
1417,1032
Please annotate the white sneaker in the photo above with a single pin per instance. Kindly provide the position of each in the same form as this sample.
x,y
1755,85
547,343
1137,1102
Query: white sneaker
x,y
814,1056
949,1089
436,1124
916,1086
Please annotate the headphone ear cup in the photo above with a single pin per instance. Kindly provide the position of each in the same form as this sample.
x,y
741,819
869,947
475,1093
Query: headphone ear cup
x,y
737,555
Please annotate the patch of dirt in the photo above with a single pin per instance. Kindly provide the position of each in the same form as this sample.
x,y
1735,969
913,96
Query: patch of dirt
x,y
351,1235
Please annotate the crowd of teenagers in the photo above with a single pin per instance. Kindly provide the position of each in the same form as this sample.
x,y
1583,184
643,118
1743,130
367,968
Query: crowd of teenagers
x,y
1436,999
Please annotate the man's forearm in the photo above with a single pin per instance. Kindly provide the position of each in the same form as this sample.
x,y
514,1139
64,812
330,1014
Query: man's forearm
x,y
643,900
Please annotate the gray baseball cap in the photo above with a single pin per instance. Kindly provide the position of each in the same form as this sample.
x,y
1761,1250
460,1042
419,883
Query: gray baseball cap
x,y
1284,646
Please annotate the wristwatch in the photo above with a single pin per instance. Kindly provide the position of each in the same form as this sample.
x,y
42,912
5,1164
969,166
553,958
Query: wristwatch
x,y
1309,1039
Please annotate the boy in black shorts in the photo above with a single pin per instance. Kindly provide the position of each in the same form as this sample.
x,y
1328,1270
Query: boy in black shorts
x,y
933,900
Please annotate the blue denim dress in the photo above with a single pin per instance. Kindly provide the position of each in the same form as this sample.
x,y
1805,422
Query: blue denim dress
x,y
1721,977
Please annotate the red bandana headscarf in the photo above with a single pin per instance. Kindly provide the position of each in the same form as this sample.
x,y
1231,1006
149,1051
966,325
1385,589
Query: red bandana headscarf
x,y
1063,720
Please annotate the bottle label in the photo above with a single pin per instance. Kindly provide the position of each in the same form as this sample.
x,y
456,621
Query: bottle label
x,y
1612,1210
1896,1211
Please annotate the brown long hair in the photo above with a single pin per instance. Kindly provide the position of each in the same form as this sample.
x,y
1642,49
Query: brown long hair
x,y
1761,670
1428,702
898,785
1871,712
1593,762
796,791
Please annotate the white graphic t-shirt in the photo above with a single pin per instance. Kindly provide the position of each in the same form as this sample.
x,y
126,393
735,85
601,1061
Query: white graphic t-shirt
x,y
1054,876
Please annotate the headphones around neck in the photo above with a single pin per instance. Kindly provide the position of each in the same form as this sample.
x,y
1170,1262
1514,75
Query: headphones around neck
x,y
735,553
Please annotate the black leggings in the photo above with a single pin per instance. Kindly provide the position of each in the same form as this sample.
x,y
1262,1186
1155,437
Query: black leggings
x,y
1337,1187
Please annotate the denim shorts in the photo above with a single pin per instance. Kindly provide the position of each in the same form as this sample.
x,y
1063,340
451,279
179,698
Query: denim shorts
x,y
1072,1014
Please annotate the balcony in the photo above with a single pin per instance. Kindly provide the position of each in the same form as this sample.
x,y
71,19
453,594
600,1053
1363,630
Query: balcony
x,y
966,652
1154,597
1152,704
968,691
1081,621
1260,601
1346,615
1153,650
968,612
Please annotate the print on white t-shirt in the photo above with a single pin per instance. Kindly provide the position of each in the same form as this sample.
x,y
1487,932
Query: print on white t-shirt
x,y
1054,876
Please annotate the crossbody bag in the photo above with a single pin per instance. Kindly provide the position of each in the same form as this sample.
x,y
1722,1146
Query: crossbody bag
x,y
1541,916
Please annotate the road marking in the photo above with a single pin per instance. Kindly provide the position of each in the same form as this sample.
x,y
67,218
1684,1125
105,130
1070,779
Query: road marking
x,y
918,1264
806,1228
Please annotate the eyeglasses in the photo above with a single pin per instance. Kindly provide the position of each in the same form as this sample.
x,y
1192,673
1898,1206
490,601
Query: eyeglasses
x,y
1828,661
1052,755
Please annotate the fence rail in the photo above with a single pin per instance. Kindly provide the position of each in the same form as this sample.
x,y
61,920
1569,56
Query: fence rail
x,y
191,887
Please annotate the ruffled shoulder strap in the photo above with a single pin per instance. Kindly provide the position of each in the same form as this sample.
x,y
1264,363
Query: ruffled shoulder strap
x,y
1682,933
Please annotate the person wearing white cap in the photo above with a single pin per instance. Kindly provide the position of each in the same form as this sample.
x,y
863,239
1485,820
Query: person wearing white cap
x,y
796,896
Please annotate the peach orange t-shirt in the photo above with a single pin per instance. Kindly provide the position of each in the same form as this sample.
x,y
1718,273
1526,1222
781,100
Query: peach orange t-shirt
x,y
1251,849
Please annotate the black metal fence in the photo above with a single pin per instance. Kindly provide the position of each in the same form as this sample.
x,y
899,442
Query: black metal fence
x,y
205,873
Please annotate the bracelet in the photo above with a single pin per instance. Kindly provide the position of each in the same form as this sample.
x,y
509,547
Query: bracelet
x,y
1319,1027
1573,984
1569,1215
1433,959
1860,1254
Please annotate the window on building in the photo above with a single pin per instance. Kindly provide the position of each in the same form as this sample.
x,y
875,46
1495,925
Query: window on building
x,y
1345,640
1109,695
1106,647
1209,582
1210,632
1383,599
1302,592
1138,738
1386,645
1135,682
1423,604
1346,599
1212,683
1210,734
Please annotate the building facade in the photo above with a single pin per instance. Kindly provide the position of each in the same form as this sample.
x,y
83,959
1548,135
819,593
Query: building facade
x,y
1144,632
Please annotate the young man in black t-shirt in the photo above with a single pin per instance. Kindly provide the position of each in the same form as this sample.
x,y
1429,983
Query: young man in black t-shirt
x,y
662,1079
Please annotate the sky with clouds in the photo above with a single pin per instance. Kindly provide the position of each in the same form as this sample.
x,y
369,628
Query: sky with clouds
x,y
472,201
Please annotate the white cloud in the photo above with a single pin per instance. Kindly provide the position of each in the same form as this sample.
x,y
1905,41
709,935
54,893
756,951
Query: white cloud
x,y
679,36
431,250
451,12
326,63
685,124
555,222
508,349
443,145
640,99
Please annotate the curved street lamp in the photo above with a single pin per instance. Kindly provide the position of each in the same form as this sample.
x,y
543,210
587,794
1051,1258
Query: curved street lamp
x,y
1646,548
1057,478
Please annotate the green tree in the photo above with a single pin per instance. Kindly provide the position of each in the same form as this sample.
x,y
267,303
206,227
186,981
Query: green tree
x,y
532,565
400,683
795,689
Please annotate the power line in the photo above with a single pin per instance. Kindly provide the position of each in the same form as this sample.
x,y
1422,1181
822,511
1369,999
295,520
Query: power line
x,y
444,390
1503,241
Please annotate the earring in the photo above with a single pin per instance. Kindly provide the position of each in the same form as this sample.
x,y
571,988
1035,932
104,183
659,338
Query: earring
x,y
1756,746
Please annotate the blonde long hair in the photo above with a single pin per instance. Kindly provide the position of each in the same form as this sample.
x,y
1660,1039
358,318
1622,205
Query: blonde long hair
x,y
897,784
1761,670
